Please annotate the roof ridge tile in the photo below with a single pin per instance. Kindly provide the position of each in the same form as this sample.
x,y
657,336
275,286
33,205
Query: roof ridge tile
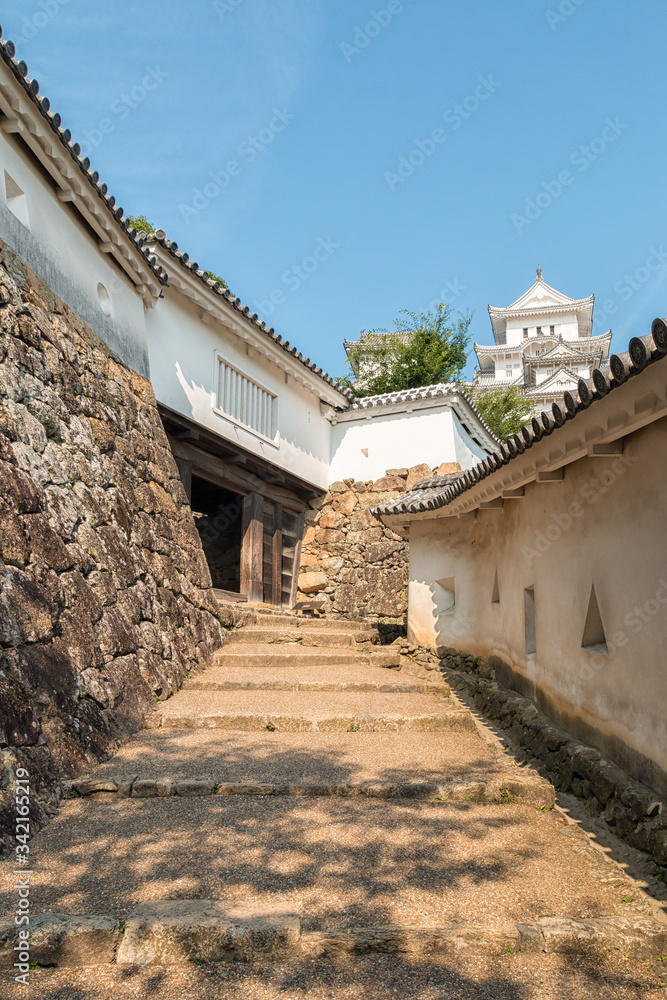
x,y
642,352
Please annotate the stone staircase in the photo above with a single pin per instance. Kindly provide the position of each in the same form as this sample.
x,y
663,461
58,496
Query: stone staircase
x,y
312,794
272,674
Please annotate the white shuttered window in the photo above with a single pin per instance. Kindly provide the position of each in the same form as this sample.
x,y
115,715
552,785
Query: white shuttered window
x,y
245,401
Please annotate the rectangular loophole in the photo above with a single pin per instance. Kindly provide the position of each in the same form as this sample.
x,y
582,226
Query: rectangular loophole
x,y
529,620
446,596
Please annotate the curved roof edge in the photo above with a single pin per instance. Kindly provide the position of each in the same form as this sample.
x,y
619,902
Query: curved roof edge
x,y
160,237
570,306
423,392
642,352
31,89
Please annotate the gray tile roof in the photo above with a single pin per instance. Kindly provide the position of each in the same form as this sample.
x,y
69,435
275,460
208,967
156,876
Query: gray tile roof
x,y
142,241
642,351
159,236
108,203
422,392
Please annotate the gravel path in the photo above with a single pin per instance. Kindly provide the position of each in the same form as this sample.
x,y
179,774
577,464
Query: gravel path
x,y
325,757
345,861
512,977
304,703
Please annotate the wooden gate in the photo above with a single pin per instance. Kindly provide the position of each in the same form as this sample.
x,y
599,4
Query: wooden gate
x,y
270,551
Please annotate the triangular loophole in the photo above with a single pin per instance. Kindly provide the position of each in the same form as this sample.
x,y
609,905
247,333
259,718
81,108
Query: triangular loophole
x,y
495,598
594,637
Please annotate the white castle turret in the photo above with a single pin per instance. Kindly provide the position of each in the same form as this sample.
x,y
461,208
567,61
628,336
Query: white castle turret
x,y
543,344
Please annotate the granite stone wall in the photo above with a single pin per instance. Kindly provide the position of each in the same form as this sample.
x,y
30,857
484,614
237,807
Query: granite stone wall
x,y
353,563
105,600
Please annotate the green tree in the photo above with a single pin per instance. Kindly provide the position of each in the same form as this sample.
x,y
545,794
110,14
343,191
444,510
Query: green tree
x,y
425,348
140,223
505,410
216,277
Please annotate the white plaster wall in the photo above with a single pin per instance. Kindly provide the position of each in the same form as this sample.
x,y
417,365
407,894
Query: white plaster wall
x,y
399,440
182,350
63,253
565,324
615,539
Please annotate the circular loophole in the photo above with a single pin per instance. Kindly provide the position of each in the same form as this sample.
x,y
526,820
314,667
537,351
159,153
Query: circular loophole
x,y
104,299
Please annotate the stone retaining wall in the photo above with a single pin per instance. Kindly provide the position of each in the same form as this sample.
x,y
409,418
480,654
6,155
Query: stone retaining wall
x,y
105,600
631,809
351,560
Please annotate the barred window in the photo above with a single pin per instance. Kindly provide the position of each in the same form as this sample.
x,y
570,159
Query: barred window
x,y
245,401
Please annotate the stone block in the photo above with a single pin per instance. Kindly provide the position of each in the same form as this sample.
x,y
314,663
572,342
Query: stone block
x,y
386,483
447,469
363,537
311,583
368,500
416,473
385,658
64,940
345,502
329,536
173,932
634,937
330,518
90,787
379,551
144,788
194,786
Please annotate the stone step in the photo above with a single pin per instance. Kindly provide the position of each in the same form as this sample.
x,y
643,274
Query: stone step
x,y
332,759
253,634
173,932
321,624
203,931
313,678
303,711
507,790
276,655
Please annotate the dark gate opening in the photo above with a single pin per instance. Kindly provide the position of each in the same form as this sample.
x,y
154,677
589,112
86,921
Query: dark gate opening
x,y
218,514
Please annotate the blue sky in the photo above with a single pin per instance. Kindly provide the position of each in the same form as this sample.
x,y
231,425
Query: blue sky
x,y
426,149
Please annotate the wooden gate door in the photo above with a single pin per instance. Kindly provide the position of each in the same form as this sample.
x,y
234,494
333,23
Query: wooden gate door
x,y
270,551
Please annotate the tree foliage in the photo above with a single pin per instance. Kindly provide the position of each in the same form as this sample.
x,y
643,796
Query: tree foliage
x,y
425,348
505,410
140,223
216,277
